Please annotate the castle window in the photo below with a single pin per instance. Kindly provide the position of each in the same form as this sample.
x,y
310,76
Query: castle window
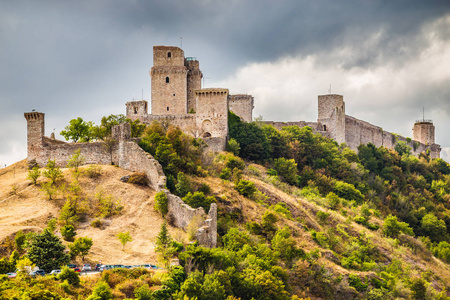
x,y
324,127
169,54
167,79
174,95
167,108
135,110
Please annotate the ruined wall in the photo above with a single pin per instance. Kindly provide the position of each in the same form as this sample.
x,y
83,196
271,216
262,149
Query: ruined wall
x,y
215,144
207,234
212,112
241,105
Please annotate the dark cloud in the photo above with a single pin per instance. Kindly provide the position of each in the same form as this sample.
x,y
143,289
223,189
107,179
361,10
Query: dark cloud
x,y
87,58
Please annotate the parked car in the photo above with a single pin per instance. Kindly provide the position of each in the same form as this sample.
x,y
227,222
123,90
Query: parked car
x,y
86,267
76,269
11,275
72,266
128,267
55,272
97,267
39,272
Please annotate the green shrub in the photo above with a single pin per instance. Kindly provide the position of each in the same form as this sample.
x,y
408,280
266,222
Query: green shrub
x,y
93,171
234,162
357,283
97,223
287,169
70,275
225,174
322,216
161,203
245,188
183,185
68,232
233,146
348,191
204,188
198,199
138,179
34,174
392,227
282,209
333,200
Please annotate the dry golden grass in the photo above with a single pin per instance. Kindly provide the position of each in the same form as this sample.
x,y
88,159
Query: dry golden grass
x,y
30,210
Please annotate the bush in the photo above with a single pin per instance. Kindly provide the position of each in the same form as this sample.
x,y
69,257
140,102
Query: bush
x,y
287,169
102,291
234,162
183,185
225,174
68,232
161,204
392,227
348,191
333,200
204,188
52,172
245,188
198,199
138,179
93,171
233,146
97,223
34,174
70,275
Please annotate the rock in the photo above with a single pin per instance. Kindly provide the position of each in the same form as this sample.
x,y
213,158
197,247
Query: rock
x,y
125,178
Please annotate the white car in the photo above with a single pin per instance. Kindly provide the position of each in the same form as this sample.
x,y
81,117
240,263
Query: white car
x,y
55,272
86,267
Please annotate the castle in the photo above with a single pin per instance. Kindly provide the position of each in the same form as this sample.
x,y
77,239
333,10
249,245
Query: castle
x,y
178,98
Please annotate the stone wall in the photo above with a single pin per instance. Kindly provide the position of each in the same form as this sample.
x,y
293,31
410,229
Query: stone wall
x,y
169,94
215,144
194,82
137,110
423,131
242,106
126,154
331,114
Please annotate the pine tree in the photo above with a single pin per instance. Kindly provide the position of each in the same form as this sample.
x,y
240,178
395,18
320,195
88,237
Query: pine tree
x,y
47,251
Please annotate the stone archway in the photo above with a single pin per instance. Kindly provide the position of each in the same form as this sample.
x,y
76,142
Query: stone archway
x,y
206,128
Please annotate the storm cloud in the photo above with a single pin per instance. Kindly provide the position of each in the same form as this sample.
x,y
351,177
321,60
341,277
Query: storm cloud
x,y
87,58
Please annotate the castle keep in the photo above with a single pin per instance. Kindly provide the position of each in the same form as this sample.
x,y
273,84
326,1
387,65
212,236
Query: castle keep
x,y
177,97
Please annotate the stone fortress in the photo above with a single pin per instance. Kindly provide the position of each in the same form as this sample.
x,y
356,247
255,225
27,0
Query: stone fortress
x,y
178,99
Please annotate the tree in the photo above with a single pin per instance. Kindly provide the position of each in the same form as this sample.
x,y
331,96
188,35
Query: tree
x,y
161,204
434,228
72,277
287,169
77,130
233,147
76,160
34,174
124,238
68,232
392,227
52,172
245,188
198,199
163,244
19,240
102,291
47,251
81,246
183,185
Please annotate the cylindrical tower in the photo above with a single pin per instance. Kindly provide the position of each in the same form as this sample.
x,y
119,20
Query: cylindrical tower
x,y
423,132
194,81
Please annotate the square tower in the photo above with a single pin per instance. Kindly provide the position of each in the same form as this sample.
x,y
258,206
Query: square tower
x,y
212,112
35,134
242,106
332,116
423,132
169,81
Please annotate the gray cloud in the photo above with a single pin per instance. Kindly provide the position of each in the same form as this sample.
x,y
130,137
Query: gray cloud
x,y
87,58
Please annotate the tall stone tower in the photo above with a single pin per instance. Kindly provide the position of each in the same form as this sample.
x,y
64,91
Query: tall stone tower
x,y
194,81
332,116
212,112
423,132
35,134
169,81
242,105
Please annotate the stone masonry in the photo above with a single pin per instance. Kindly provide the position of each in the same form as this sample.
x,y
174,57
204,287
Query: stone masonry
x,y
126,154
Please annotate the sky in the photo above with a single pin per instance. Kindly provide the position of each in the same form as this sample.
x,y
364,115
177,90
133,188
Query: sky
x,y
389,59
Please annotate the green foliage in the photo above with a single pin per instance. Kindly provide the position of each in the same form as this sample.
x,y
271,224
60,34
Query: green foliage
x,y
161,203
282,209
392,227
235,239
225,174
198,199
20,240
418,288
402,148
245,188
51,225
108,204
285,245
434,228
69,212
138,179
442,251
333,200
102,291
52,172
356,282
47,251
80,247
70,275
204,188
233,162
233,147
77,130
68,232
287,169
143,293
93,171
76,160
34,174
251,138
164,245
183,186
322,216
268,222
124,238
347,191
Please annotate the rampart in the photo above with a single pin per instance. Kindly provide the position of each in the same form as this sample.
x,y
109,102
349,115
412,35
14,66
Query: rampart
x,y
128,155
